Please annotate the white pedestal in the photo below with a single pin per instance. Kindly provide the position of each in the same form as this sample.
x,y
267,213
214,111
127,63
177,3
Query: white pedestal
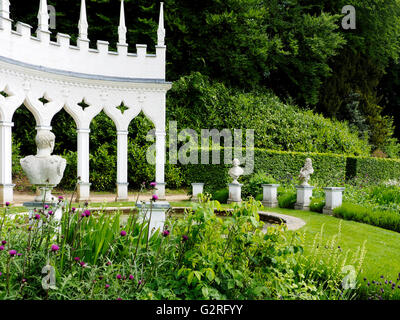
x,y
304,194
333,199
54,206
6,193
157,214
122,191
235,192
197,189
270,195
160,190
83,192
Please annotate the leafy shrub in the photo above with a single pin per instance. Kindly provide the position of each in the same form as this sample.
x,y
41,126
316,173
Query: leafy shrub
x,y
287,200
221,195
253,187
381,218
317,204
277,126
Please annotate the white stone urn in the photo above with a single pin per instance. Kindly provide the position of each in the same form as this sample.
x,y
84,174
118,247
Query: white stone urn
x,y
44,170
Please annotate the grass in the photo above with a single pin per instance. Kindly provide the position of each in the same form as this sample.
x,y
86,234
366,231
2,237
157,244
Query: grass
x,y
382,246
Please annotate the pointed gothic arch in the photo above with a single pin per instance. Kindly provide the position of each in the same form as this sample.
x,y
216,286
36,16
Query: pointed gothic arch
x,y
48,76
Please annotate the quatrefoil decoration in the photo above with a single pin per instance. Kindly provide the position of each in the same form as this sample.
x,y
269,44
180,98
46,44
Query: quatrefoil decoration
x,y
122,107
44,100
83,105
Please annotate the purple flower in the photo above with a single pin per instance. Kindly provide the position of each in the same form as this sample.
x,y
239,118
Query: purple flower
x,y
23,280
153,184
12,253
123,233
77,259
185,238
73,209
19,254
4,242
55,248
119,276
165,233
107,286
130,277
46,206
37,216
154,197
87,213
60,198
83,264
50,212
140,282
83,215
1,248
8,204
0,273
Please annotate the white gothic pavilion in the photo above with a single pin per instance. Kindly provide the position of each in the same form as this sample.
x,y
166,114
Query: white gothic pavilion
x,y
47,76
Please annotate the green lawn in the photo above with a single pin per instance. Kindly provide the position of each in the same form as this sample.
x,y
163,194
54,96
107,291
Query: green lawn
x,y
383,246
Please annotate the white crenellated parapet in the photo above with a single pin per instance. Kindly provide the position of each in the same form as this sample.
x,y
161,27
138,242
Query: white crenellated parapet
x,y
21,46
48,76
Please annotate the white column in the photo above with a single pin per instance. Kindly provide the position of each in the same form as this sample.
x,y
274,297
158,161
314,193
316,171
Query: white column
x,y
160,164
6,186
83,165
122,165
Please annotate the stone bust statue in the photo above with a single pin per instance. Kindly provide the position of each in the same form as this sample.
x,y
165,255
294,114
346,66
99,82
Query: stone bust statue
x,y
43,168
235,172
306,172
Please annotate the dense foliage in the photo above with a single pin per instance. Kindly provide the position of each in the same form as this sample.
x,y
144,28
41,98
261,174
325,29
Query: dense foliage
x,y
198,256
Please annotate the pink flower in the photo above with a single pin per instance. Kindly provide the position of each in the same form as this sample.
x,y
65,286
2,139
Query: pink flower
x,y
4,242
50,212
87,213
107,286
8,204
130,277
1,248
77,259
46,206
37,216
55,248
153,184
123,233
165,233
119,276
155,197
12,253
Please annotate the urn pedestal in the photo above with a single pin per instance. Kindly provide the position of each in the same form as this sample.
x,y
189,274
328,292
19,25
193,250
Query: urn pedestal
x,y
235,193
270,195
333,199
197,188
304,194
155,212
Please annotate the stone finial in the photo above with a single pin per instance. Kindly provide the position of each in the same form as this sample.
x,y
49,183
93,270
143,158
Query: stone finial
x,y
5,9
122,27
83,24
43,17
235,172
161,30
306,172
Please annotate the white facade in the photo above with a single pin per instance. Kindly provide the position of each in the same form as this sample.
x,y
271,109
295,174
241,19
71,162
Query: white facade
x,y
33,67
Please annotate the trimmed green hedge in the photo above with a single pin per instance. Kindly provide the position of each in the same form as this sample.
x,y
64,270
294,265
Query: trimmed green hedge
x,y
372,169
329,169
